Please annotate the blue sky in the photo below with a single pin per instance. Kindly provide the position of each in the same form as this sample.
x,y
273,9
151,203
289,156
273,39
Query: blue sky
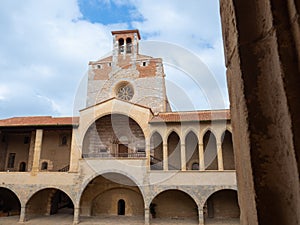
x,y
108,12
46,45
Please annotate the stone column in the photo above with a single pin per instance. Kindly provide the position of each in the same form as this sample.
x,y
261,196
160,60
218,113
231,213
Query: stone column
x,y
31,151
76,215
23,214
37,150
262,46
200,216
220,157
75,152
165,156
183,157
147,216
201,157
148,155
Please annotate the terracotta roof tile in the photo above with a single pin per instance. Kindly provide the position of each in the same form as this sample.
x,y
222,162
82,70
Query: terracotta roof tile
x,y
39,121
206,115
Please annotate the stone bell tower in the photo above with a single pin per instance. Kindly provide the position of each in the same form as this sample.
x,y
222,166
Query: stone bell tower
x,y
128,75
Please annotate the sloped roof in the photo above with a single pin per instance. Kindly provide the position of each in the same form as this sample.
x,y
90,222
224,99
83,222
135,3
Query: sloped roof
x,y
206,115
39,121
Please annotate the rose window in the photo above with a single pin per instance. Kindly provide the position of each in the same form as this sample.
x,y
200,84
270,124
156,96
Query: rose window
x,y
125,92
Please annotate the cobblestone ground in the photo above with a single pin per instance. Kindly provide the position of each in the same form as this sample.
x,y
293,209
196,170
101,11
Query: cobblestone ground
x,y
63,219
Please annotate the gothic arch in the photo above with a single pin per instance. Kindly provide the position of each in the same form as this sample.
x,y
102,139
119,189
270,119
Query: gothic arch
x,y
174,151
192,150
156,151
210,151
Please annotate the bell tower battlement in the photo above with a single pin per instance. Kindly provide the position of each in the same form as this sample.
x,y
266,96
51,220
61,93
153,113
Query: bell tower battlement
x,y
128,75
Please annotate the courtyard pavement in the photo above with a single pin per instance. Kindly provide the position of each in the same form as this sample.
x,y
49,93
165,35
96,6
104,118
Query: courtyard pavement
x,y
63,219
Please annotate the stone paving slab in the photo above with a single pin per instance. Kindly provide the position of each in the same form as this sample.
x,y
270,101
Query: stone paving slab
x,y
63,219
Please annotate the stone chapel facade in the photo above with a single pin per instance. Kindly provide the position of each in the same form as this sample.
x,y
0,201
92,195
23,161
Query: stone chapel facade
x,y
127,154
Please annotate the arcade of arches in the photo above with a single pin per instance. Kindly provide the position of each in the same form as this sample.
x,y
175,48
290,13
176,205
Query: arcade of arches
x,y
114,194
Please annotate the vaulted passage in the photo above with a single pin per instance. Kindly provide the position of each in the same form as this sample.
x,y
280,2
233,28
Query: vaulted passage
x,y
114,135
174,205
112,194
48,202
9,203
222,208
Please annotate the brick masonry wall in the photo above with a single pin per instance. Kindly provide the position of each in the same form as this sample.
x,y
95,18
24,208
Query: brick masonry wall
x,y
145,74
111,130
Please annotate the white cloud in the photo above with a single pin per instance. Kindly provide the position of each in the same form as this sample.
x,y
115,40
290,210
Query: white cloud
x,y
45,46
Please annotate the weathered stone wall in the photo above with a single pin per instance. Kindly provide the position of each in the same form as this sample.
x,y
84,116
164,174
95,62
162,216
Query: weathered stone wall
x,y
53,152
146,75
14,143
262,46
107,203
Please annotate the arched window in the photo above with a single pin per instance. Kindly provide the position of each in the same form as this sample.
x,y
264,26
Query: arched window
x,y
121,45
44,166
128,45
22,167
121,207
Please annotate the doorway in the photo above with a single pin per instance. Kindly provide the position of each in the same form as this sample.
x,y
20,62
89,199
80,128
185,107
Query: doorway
x,y
121,207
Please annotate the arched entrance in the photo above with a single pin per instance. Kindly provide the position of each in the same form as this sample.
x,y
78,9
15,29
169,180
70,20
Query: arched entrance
x,y
172,205
110,195
114,135
48,202
222,208
9,203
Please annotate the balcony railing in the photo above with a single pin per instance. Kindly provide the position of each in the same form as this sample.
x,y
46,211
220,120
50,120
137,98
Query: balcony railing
x,y
115,155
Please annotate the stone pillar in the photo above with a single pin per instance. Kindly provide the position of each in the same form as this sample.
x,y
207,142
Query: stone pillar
x,y
220,157
31,151
23,214
201,157
76,215
165,156
37,150
262,44
183,157
148,155
200,216
75,152
147,216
